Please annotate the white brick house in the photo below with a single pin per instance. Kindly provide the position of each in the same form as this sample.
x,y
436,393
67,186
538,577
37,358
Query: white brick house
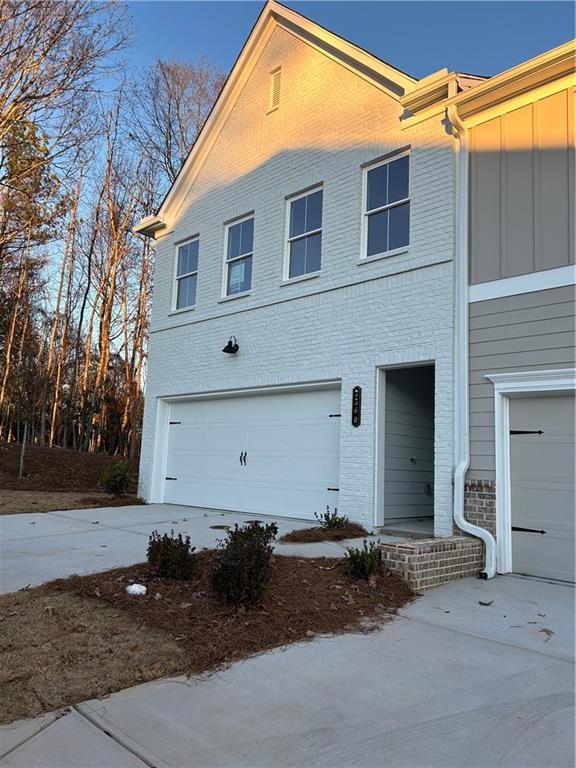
x,y
339,326
315,223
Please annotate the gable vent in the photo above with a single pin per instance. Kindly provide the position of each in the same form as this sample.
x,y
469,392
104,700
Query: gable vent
x,y
275,88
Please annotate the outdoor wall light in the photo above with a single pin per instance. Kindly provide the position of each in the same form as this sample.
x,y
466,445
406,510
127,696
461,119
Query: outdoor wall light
x,y
232,347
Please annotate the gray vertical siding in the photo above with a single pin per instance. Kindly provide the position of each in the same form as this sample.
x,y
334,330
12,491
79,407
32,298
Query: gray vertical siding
x,y
529,331
522,190
409,432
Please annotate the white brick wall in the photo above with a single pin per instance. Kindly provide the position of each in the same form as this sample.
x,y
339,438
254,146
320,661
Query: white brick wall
x,y
351,319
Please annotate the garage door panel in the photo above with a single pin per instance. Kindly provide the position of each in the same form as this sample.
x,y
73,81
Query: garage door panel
x,y
543,492
275,435
291,446
549,556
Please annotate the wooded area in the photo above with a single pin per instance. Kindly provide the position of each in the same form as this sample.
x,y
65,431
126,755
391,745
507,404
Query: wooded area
x,y
86,150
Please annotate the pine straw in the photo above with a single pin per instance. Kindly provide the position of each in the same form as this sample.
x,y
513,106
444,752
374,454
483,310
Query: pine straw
x,y
179,627
310,535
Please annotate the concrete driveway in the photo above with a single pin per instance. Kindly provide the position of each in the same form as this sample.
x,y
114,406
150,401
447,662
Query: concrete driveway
x,y
449,683
38,547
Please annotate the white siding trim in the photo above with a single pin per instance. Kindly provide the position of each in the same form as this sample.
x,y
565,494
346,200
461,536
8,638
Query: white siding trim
x,y
534,281
505,386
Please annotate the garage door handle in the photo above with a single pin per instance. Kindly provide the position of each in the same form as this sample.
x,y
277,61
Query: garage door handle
x,y
243,455
526,432
332,489
526,530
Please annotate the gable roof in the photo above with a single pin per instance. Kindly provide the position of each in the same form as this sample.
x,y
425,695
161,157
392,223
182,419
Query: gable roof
x,y
391,80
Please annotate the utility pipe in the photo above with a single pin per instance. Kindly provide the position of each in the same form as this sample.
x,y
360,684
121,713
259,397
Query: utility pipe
x,y
461,409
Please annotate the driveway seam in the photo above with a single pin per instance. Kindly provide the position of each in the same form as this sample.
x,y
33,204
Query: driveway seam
x,y
58,713
115,737
516,646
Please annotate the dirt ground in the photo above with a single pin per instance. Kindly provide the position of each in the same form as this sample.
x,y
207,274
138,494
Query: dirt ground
x,y
20,502
54,469
309,535
85,637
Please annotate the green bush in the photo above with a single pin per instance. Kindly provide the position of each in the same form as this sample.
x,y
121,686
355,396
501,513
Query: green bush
x,y
170,556
118,478
363,563
243,563
331,519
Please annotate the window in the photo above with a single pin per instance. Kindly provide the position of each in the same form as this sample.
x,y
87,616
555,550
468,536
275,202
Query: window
x,y
304,233
239,247
187,274
387,206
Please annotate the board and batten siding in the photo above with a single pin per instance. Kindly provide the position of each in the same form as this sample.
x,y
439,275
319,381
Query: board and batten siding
x,y
522,190
409,443
529,331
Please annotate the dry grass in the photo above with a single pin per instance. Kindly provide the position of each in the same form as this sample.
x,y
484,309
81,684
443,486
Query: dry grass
x,y
21,502
84,637
59,649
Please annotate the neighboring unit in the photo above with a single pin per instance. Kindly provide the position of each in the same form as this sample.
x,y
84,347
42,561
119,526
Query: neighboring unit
x,y
519,130
319,224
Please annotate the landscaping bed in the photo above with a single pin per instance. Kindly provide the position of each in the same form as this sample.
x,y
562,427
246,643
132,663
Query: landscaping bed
x,y
321,533
84,637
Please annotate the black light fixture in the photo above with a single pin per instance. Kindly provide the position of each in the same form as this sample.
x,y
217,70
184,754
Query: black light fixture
x,y
232,347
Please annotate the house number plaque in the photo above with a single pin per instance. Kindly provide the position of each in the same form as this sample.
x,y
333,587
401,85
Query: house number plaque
x,y
356,406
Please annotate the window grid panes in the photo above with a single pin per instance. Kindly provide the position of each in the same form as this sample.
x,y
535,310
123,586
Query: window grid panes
x,y
305,234
187,274
239,250
387,206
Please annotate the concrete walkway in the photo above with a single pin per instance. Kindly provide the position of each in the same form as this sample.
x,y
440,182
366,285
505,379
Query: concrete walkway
x,y
448,684
38,547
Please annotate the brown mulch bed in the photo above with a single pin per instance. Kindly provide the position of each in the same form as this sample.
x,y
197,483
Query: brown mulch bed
x,y
54,469
84,637
22,502
310,535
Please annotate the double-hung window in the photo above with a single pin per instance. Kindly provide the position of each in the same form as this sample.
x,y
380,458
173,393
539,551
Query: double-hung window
x,y
304,233
187,273
387,206
239,249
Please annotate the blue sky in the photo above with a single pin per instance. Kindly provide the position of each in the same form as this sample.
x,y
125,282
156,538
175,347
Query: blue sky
x,y
418,37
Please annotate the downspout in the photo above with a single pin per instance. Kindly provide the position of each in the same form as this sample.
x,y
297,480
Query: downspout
x,y
461,410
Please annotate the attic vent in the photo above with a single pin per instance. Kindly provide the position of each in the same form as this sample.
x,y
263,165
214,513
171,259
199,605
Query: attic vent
x,y
275,88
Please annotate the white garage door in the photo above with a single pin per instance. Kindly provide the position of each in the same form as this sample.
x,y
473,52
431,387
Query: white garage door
x,y
543,492
274,454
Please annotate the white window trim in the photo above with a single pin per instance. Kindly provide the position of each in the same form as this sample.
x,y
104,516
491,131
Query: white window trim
x,y
177,277
528,283
506,385
288,240
366,214
229,224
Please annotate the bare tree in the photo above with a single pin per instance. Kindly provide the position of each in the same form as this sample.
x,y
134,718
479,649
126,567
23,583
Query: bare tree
x,y
170,106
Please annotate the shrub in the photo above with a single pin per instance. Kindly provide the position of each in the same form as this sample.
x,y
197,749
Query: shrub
x,y
243,563
363,563
170,556
331,520
118,478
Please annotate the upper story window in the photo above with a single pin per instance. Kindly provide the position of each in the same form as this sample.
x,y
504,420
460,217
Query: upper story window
x,y
239,249
187,273
304,233
387,206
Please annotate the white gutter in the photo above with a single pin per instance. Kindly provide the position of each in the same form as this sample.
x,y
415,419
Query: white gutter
x,y
461,409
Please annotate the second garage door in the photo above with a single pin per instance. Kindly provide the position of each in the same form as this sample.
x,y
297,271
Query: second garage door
x,y
275,454
543,486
